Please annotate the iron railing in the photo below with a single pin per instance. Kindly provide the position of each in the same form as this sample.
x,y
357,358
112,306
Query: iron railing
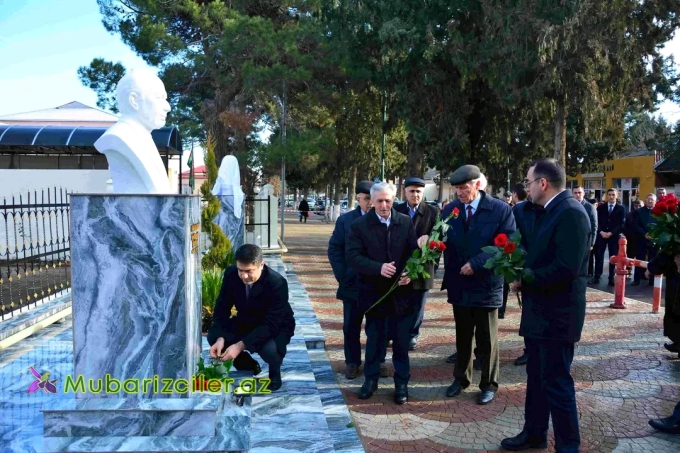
x,y
35,257
256,230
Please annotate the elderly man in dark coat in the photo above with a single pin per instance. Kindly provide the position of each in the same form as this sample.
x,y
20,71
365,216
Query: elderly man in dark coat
x,y
264,321
475,292
424,216
379,245
348,291
553,310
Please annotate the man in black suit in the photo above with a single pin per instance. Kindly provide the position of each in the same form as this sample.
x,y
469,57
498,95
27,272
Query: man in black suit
x,y
642,221
526,215
379,245
579,194
553,311
264,322
475,292
424,216
303,210
610,218
347,289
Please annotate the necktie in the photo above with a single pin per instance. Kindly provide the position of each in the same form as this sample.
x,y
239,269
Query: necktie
x,y
469,215
610,208
248,292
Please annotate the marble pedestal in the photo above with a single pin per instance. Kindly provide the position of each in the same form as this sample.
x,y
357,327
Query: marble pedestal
x,y
136,292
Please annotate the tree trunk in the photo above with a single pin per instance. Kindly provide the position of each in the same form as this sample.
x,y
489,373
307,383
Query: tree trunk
x,y
336,200
560,133
415,158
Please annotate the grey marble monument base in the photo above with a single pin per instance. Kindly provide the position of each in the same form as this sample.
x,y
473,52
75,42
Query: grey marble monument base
x,y
210,424
131,417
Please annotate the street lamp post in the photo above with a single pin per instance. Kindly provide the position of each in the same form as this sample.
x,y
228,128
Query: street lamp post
x,y
384,119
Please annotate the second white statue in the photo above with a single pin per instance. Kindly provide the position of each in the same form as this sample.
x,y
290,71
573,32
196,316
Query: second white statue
x,y
135,165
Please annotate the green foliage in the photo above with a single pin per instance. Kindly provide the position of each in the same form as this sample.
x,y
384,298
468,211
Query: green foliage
x,y
220,254
216,369
211,283
102,76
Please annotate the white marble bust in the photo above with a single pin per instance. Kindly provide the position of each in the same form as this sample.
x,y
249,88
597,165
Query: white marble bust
x,y
135,165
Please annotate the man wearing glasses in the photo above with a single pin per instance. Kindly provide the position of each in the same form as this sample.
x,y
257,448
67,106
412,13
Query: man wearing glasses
x,y
347,289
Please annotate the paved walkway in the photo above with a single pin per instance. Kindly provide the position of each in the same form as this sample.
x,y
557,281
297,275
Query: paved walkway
x,y
624,375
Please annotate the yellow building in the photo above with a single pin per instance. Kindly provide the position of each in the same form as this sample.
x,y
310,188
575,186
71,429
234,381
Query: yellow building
x,y
633,177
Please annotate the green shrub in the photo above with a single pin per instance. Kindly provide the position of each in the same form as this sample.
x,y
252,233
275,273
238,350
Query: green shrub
x,y
211,283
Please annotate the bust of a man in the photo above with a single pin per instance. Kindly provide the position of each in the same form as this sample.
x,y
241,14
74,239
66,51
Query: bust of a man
x,y
135,165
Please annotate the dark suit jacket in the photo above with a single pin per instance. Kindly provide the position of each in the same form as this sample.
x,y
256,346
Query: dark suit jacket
x,y
483,288
370,245
423,221
642,220
266,314
337,250
592,215
554,305
525,219
610,223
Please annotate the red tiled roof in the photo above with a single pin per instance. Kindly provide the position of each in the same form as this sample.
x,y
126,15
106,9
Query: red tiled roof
x,y
199,172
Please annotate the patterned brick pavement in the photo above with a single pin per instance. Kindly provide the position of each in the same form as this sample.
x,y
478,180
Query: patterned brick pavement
x,y
623,374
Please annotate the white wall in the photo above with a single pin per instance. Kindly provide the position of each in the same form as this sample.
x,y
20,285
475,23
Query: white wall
x,y
82,181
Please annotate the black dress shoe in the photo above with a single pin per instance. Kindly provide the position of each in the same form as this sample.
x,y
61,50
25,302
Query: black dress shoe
x,y
672,347
522,360
594,281
635,284
486,397
522,441
413,344
275,384
367,389
257,370
501,315
452,358
400,393
455,388
668,425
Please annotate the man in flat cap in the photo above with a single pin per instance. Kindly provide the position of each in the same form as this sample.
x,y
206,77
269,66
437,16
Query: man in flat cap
x,y
347,289
424,216
475,292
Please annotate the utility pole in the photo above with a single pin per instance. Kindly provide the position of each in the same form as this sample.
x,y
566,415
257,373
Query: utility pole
x,y
508,167
283,162
384,119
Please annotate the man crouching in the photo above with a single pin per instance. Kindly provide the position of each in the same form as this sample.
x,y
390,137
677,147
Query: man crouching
x,y
264,321
378,247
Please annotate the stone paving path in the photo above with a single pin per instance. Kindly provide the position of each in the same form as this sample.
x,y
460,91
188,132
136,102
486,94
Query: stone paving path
x,y
623,374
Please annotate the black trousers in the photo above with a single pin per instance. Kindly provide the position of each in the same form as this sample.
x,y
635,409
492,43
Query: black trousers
x,y
591,262
480,324
269,353
351,330
399,329
550,393
600,245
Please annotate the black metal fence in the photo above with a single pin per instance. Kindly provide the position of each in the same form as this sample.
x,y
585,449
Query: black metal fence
x,y
35,258
260,209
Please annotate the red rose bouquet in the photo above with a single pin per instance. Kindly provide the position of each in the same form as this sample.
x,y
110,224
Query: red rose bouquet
x,y
665,232
508,258
428,253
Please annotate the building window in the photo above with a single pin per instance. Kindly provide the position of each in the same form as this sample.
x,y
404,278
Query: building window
x,y
595,188
571,184
629,190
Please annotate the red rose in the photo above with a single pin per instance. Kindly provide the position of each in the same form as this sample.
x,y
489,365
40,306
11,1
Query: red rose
x,y
671,201
509,247
441,246
659,209
501,240
672,210
456,212
432,245
670,196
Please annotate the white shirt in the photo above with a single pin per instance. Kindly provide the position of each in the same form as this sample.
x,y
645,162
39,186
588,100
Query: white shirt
x,y
545,206
385,221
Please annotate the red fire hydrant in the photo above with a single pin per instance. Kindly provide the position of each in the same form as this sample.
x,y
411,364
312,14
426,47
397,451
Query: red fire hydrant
x,y
622,262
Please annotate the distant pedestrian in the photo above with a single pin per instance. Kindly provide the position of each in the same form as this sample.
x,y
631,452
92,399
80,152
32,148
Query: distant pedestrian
x,y
303,210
